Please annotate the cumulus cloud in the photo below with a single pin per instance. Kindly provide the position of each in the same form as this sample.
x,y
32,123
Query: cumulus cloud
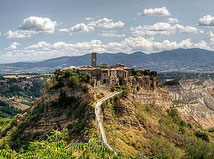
x,y
106,23
103,23
207,20
78,28
112,34
40,45
44,50
163,29
210,38
150,45
32,26
13,46
19,34
173,20
155,12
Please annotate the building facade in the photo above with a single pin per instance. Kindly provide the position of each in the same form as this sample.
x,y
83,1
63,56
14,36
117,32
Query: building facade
x,y
104,74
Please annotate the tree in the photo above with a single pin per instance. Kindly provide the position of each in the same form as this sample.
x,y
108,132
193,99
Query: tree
x,y
200,150
202,136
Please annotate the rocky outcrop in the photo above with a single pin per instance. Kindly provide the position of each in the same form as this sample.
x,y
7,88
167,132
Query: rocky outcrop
x,y
146,90
195,100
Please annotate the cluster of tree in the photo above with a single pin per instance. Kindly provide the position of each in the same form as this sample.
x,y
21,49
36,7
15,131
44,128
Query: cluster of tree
x,y
194,146
73,79
1,77
4,122
143,72
14,89
6,111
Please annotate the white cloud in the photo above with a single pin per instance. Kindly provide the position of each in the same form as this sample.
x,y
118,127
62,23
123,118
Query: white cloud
x,y
210,38
163,29
44,50
103,23
155,12
19,34
150,45
38,24
173,20
207,20
106,23
32,26
78,28
111,34
41,45
89,18
13,46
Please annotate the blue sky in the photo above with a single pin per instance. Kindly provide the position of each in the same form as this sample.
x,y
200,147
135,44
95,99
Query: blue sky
x,y
37,30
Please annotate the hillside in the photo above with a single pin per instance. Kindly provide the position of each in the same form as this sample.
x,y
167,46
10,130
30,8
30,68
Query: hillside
x,y
145,122
198,60
140,122
17,92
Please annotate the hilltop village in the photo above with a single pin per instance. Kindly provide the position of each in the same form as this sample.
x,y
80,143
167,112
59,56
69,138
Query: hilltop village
x,y
103,74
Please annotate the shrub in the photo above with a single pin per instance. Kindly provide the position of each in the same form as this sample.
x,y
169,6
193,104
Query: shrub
x,y
113,88
202,136
161,85
73,81
182,123
101,95
189,125
116,98
53,83
85,78
182,130
173,113
85,88
136,77
132,72
141,155
161,148
69,126
211,130
125,92
153,73
2,103
199,150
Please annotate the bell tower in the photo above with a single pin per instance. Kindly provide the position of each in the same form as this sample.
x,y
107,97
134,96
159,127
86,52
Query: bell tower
x,y
93,59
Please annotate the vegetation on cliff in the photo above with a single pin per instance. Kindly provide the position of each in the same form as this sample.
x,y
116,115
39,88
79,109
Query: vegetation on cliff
x,y
8,111
66,103
55,146
143,129
146,131
140,122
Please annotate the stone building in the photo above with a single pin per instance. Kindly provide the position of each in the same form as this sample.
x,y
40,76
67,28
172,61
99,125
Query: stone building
x,y
104,74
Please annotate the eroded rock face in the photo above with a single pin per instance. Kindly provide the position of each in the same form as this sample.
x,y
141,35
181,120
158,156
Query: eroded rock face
x,y
146,91
195,100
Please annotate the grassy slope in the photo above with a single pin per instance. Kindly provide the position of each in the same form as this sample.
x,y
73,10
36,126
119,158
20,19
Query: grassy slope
x,y
66,103
133,129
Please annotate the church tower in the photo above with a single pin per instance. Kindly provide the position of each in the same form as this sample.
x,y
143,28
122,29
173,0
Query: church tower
x,y
93,59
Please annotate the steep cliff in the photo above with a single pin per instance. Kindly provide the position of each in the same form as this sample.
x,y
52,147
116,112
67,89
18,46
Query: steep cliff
x,y
194,98
138,121
146,91
67,102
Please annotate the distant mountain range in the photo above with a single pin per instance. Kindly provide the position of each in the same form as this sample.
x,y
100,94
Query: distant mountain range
x,y
198,60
